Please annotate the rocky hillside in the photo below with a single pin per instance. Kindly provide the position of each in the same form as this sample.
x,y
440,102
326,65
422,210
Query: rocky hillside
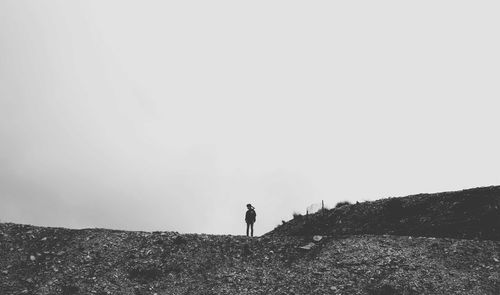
x,y
467,214
290,260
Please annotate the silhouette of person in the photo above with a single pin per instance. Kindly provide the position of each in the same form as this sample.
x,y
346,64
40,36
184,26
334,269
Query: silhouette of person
x,y
250,218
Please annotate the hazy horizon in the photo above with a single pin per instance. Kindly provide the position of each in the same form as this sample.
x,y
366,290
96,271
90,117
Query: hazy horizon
x,y
173,116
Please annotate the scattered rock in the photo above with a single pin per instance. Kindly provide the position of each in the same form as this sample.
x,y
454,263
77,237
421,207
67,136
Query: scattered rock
x,y
308,246
100,262
179,240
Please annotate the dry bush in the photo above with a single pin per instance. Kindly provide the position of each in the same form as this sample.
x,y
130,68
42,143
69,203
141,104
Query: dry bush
x,y
340,204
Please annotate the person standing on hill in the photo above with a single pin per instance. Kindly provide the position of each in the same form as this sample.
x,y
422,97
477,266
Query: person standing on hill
x,y
250,218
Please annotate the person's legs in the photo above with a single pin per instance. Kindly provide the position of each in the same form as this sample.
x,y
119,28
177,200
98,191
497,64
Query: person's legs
x,y
251,227
248,226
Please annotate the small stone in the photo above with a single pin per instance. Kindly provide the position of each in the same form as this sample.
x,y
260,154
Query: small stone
x,y
317,238
496,259
5,272
32,257
307,247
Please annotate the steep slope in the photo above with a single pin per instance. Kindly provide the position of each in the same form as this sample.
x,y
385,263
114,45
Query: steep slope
x,y
469,214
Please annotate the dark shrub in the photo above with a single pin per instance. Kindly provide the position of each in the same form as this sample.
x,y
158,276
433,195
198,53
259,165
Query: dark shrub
x,y
340,204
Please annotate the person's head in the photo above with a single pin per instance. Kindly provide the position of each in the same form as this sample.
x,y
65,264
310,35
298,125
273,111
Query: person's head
x,y
249,206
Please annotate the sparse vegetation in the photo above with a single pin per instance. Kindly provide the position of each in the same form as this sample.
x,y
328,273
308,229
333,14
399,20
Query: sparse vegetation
x,y
340,204
467,214
323,210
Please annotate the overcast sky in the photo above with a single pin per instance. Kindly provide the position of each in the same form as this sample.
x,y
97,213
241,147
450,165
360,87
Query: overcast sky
x,y
173,115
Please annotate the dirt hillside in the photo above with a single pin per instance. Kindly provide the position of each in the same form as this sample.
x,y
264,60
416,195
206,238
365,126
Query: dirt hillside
x,y
289,260
466,214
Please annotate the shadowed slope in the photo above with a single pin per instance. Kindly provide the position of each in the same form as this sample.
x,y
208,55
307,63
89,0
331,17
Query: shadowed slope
x,y
468,214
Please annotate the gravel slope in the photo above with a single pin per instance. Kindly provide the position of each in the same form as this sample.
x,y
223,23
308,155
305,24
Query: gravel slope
x,y
38,260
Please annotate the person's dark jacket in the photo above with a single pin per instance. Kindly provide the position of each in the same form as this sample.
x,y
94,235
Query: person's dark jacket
x,y
250,216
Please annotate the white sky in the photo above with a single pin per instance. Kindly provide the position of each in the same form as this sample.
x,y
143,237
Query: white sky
x,y
173,115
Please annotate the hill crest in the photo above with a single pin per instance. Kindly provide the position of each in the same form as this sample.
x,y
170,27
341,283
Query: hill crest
x,y
466,214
